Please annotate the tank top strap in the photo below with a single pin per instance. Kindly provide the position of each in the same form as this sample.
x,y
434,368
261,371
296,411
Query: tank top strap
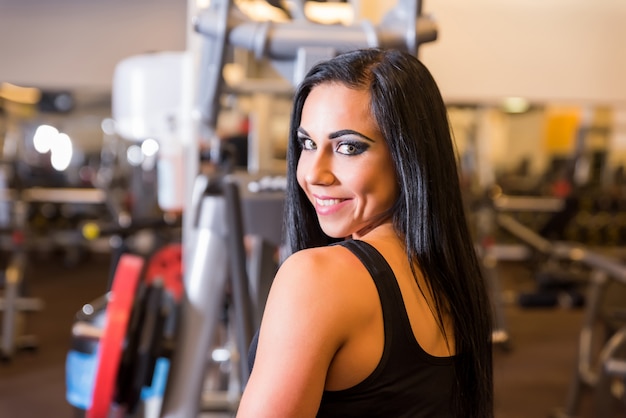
x,y
394,314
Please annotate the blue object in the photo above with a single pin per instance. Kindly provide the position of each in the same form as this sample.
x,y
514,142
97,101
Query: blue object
x,y
80,371
159,379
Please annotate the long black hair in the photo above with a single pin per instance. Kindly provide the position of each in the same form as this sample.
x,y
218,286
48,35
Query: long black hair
x,y
429,214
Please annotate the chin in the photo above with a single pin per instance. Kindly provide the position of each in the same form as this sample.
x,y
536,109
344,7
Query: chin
x,y
336,234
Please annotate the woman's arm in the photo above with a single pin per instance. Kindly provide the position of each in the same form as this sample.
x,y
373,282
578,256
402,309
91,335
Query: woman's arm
x,y
301,331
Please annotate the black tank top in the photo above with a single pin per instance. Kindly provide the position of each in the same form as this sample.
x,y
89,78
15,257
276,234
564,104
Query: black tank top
x,y
407,382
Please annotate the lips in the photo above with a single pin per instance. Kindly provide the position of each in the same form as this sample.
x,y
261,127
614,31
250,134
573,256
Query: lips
x,y
327,205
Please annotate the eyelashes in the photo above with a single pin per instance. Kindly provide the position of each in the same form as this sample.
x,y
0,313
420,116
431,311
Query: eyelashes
x,y
345,147
306,143
352,147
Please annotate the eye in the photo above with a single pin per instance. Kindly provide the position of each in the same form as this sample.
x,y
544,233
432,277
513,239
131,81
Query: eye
x,y
352,147
306,143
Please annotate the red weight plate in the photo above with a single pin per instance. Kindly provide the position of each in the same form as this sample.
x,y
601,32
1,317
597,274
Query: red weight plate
x,y
119,307
166,265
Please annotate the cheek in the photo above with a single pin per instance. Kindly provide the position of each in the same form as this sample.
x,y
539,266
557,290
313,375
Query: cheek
x,y
393,185
369,185
386,185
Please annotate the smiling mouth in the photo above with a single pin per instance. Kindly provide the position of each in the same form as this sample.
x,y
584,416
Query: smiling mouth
x,y
327,202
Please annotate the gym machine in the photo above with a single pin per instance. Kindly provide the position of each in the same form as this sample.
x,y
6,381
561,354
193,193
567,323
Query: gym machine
x,y
601,363
217,264
558,281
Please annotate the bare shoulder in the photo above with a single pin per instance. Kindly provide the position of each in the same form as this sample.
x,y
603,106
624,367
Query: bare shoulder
x,y
322,282
323,269
313,299
333,260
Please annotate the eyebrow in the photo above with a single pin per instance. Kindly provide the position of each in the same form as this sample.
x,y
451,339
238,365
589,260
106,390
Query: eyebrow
x,y
340,133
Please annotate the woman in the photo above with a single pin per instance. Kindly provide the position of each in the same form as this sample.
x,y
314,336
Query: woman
x,y
372,171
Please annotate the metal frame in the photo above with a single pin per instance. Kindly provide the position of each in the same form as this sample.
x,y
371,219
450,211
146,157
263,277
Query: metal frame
x,y
591,372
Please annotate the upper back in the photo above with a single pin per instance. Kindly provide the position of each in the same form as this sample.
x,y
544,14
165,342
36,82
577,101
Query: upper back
x,y
406,381
329,333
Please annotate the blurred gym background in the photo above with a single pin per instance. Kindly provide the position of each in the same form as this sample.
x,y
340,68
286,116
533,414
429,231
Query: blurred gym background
x,y
537,101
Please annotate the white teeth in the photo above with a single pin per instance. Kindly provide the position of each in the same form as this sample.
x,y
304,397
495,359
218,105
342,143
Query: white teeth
x,y
327,202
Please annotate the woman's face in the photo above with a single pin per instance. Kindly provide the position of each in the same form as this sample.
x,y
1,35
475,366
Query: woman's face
x,y
345,167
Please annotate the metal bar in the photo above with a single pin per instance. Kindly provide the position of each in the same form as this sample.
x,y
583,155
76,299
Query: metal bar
x,y
603,397
511,252
55,195
528,204
13,278
614,268
239,276
489,264
9,314
21,304
63,195
201,306
525,234
564,251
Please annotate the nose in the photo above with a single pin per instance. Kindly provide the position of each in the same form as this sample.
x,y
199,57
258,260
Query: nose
x,y
318,168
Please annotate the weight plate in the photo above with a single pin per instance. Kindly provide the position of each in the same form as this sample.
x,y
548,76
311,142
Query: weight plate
x,y
119,307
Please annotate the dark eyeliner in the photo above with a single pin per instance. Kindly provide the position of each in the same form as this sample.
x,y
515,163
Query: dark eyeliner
x,y
359,147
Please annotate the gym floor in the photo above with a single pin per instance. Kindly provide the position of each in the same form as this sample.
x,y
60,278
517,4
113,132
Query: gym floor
x,y
532,376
